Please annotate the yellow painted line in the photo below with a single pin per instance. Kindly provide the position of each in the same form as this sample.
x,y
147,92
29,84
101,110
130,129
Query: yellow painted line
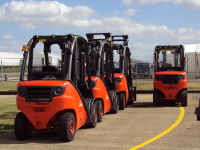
x,y
181,115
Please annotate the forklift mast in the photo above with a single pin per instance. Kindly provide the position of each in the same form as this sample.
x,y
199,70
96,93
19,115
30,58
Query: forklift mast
x,y
124,39
124,52
120,45
100,55
106,36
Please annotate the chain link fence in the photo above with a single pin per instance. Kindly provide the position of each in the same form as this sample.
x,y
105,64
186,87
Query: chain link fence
x,y
10,70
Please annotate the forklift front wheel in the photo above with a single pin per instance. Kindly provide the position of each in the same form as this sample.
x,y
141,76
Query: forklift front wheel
x,y
156,98
184,98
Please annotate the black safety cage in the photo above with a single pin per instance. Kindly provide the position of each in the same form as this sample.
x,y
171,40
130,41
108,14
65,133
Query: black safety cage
x,y
74,60
101,57
178,50
124,54
125,58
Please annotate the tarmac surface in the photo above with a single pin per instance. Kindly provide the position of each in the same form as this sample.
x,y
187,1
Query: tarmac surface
x,y
132,128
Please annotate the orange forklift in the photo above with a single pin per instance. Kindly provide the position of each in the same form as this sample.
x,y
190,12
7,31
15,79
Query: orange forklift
x,y
122,71
102,73
170,79
53,95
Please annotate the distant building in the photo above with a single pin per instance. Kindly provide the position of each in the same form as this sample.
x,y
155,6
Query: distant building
x,y
192,57
40,60
10,59
15,59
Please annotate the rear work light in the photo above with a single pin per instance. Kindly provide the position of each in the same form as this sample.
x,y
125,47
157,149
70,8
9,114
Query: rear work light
x,y
118,80
25,48
59,91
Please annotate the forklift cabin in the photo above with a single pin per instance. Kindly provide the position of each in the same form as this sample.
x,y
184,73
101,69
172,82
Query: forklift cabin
x,y
54,95
170,79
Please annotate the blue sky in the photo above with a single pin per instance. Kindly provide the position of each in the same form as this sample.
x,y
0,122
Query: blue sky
x,y
147,22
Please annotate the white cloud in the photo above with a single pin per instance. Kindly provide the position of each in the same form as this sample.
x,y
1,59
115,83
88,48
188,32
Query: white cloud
x,y
142,52
142,2
131,12
128,12
12,46
27,25
8,37
32,14
126,26
188,4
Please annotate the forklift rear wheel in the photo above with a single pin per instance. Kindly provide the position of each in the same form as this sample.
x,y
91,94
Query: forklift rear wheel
x,y
94,117
21,127
67,127
184,98
198,118
116,105
156,98
121,101
100,111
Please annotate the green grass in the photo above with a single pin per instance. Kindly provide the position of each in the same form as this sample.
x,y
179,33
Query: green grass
x,y
11,69
144,86
140,86
8,87
8,111
149,86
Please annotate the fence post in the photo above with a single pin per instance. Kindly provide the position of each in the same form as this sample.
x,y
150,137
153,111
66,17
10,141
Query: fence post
x,y
1,72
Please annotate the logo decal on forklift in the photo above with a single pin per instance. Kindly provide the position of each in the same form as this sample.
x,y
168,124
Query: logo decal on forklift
x,y
80,104
107,97
49,77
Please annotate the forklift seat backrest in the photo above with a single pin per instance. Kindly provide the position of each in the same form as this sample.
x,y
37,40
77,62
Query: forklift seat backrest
x,y
109,83
49,69
84,89
116,70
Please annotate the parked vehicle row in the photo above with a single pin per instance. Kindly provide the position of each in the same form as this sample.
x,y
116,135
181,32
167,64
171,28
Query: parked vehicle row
x,y
77,91
86,82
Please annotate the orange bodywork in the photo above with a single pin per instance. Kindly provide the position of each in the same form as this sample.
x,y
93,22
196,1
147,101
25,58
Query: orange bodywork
x,y
100,92
40,114
170,91
122,86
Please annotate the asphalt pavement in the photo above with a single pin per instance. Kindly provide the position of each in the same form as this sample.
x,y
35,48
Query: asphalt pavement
x,y
136,126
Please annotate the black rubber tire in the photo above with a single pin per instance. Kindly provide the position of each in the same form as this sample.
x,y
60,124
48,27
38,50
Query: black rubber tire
x,y
156,98
121,101
100,111
94,117
184,98
116,105
198,118
20,127
67,127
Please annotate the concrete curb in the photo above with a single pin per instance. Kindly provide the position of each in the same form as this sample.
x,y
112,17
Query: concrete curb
x,y
8,92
